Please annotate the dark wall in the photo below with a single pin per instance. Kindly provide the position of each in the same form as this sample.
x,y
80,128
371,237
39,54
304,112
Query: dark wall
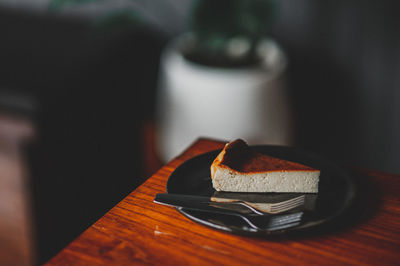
x,y
88,90
345,78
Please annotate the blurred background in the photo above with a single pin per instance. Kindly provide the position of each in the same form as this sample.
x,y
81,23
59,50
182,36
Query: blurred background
x,y
82,83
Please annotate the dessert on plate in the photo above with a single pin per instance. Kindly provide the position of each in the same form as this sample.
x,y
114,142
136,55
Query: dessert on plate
x,y
238,168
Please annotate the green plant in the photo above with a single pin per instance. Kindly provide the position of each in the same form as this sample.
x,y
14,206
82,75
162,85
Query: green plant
x,y
227,32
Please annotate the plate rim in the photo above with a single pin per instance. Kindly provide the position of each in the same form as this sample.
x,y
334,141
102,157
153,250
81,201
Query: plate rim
x,y
350,197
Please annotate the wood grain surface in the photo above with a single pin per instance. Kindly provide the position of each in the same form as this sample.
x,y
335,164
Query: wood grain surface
x,y
140,232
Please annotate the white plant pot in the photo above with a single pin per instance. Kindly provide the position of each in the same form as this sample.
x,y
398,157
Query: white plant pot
x,y
200,101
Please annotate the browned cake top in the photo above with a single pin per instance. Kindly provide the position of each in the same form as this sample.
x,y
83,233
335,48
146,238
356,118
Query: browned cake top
x,y
238,156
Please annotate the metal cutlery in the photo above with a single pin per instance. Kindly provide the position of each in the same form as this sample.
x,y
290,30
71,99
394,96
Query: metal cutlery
x,y
255,219
259,208
270,208
273,222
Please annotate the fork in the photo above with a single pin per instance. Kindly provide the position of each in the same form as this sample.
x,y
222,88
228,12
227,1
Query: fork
x,y
230,203
266,222
261,208
272,222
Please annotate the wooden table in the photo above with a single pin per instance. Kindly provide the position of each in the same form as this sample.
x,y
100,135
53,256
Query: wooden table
x,y
138,231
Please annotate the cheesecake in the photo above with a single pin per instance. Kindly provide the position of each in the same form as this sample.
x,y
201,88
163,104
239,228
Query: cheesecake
x,y
238,168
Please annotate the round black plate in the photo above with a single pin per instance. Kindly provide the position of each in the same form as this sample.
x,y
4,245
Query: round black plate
x,y
336,190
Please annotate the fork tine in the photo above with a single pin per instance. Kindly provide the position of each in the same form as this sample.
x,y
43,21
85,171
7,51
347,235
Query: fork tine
x,y
280,219
287,204
286,207
274,208
298,200
274,223
302,197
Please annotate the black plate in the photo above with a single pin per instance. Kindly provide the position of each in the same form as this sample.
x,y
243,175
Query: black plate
x,y
336,190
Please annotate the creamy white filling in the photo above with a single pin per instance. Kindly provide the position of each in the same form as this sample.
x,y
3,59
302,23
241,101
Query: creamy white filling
x,y
275,181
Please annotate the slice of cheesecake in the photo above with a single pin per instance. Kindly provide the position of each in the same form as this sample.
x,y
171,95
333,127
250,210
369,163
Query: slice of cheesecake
x,y
240,169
